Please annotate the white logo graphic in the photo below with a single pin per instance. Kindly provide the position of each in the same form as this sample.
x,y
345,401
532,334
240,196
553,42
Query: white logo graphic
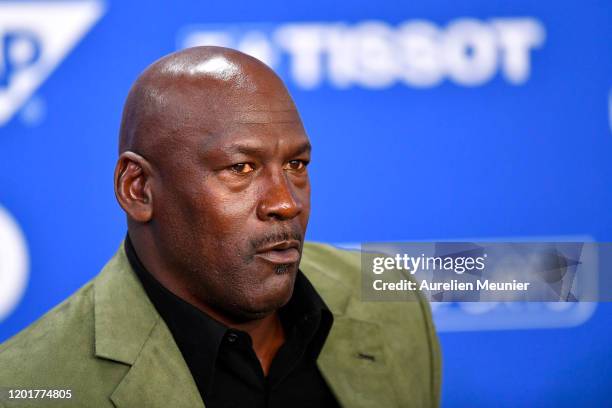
x,y
376,55
14,264
34,38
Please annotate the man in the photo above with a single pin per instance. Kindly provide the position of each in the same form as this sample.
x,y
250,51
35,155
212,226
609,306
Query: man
x,y
204,303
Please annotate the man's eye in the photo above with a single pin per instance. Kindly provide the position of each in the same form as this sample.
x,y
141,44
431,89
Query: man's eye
x,y
296,165
242,168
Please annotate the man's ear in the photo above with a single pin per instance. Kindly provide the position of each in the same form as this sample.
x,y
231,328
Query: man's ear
x,y
133,186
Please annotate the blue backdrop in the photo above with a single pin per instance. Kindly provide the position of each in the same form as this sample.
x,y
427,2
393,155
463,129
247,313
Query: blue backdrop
x,y
429,120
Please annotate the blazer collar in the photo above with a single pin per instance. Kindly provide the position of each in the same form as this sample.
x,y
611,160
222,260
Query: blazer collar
x,y
129,330
353,360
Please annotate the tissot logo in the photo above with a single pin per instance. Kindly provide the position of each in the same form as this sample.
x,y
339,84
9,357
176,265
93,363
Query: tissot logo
x,y
377,55
34,39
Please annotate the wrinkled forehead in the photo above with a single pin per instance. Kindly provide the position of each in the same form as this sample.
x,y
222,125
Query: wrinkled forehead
x,y
212,113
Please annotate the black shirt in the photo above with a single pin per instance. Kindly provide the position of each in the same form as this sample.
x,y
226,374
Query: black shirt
x,y
222,360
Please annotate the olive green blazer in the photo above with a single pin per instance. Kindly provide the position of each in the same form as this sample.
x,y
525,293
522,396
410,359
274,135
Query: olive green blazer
x,y
108,345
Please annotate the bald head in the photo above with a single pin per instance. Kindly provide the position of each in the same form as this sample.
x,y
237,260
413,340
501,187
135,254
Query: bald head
x,y
196,89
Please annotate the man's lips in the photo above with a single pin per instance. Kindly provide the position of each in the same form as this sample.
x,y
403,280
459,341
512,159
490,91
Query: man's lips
x,y
284,252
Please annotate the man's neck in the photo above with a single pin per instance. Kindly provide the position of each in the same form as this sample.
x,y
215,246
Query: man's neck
x,y
268,336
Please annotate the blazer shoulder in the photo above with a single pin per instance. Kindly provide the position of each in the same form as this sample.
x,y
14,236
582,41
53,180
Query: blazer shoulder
x,y
341,265
39,353
58,352
52,323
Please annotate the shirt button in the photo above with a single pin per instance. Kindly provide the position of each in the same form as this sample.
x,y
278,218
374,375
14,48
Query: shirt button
x,y
232,337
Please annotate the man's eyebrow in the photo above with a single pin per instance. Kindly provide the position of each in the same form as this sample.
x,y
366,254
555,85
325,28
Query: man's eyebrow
x,y
249,150
245,149
305,147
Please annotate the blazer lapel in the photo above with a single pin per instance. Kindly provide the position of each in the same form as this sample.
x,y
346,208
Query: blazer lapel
x,y
128,330
354,364
158,378
353,359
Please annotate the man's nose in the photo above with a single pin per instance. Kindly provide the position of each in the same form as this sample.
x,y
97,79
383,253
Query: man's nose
x,y
279,200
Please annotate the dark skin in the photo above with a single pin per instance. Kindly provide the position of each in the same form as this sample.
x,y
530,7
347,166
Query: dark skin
x,y
212,176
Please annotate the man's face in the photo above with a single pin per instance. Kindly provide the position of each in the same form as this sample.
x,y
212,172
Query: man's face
x,y
231,199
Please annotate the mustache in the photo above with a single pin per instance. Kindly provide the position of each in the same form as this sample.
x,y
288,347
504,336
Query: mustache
x,y
259,242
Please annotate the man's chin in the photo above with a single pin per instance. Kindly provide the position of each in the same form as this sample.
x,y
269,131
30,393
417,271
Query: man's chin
x,y
275,295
